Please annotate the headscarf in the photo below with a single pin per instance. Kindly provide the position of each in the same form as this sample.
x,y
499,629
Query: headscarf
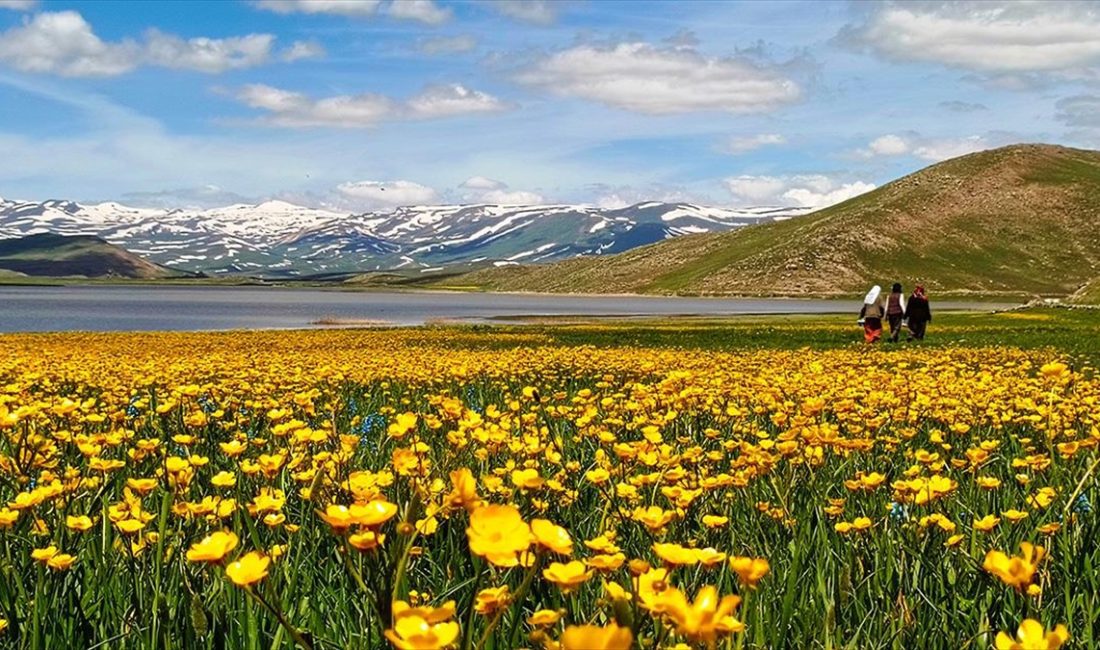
x,y
872,295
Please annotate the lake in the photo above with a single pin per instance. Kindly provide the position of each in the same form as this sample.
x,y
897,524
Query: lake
x,y
116,308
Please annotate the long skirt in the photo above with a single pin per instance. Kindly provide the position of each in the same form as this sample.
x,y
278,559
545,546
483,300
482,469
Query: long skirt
x,y
872,329
917,327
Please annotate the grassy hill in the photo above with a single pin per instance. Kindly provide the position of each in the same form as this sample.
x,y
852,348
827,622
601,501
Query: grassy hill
x,y
50,255
1019,220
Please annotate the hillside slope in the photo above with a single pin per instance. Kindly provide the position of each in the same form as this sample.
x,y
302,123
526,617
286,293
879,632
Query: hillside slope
x,y
1023,219
54,255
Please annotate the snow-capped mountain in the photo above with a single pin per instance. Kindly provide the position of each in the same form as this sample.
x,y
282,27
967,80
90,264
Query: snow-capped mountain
x,y
279,238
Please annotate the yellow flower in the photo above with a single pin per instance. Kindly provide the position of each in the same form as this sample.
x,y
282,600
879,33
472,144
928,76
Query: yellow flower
x,y
988,482
401,426
599,476
213,548
675,554
44,554
129,526
79,523
552,537
749,570
709,557
464,492
606,562
1015,516
366,540
593,637
715,521
223,480
653,517
650,586
490,600
8,517
248,569
374,513
704,619
954,540
422,628
60,562
527,479
338,516
1016,571
1032,636
1054,370
544,618
567,576
986,523
1050,529
499,534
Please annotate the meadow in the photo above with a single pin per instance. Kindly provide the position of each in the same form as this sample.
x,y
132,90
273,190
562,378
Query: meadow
x,y
751,483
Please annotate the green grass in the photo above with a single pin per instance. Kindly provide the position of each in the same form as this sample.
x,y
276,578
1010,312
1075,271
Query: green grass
x,y
1074,331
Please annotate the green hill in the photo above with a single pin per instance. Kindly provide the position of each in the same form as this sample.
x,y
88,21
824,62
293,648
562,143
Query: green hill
x,y
50,255
1019,220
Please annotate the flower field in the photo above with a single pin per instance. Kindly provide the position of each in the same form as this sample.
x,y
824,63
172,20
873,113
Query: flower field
x,y
446,487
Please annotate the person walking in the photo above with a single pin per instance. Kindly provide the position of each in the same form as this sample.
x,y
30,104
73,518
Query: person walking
x,y
895,311
871,315
918,313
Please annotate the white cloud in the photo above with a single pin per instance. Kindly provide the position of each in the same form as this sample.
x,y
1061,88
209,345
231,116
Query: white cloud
x,y
539,12
985,36
291,109
299,50
1079,111
452,99
888,145
745,144
507,197
377,195
482,183
757,189
18,5
211,55
937,149
202,197
424,11
661,80
63,43
339,7
930,149
489,190
447,45
810,191
616,197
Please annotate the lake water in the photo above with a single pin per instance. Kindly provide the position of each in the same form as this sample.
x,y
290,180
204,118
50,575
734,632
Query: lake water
x,y
111,308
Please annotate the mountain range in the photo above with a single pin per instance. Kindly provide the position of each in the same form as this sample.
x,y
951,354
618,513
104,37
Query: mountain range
x,y
279,239
1017,220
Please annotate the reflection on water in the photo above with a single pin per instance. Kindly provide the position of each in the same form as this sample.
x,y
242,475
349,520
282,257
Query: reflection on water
x,y
100,308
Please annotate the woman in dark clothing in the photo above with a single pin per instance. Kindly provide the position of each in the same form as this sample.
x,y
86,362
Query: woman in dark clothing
x,y
895,311
918,313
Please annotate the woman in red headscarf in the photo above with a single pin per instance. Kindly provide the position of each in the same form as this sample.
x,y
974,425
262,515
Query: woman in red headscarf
x,y
918,313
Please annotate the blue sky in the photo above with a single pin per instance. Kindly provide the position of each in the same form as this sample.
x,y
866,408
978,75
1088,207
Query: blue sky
x,y
368,104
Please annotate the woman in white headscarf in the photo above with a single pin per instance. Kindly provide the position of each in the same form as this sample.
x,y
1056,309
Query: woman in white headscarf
x,y
871,315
